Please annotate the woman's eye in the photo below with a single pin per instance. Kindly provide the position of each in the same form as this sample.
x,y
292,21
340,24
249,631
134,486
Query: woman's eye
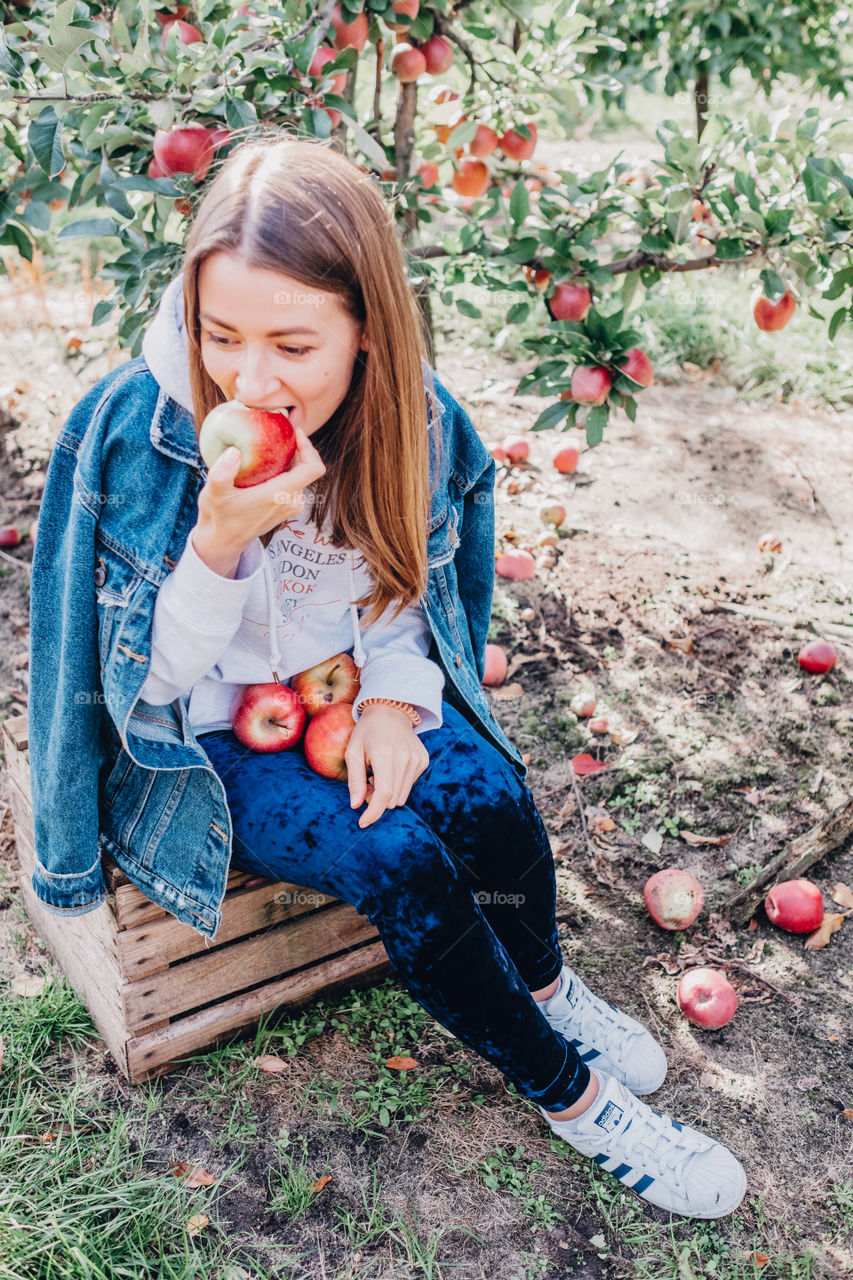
x,y
221,341
295,351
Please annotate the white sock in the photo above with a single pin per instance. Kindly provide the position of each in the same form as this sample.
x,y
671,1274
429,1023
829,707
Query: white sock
x,y
560,989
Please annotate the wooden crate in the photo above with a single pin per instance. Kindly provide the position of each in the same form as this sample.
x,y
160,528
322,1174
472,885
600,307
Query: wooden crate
x,y
154,990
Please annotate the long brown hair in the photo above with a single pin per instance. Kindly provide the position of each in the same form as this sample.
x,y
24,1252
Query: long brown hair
x,y
303,208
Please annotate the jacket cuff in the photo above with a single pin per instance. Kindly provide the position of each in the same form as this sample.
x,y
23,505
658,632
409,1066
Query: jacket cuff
x,y
419,681
70,895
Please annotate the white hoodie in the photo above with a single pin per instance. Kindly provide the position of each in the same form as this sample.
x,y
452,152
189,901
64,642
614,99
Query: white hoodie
x,y
288,608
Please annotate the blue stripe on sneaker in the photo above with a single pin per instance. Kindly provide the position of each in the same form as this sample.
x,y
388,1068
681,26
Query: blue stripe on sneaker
x,y
601,1159
621,1170
643,1185
676,1125
588,1057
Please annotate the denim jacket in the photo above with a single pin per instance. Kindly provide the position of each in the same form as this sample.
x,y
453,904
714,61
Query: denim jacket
x,y
112,772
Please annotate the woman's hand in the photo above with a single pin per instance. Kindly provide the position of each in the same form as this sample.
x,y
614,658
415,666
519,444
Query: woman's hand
x,y
383,738
230,518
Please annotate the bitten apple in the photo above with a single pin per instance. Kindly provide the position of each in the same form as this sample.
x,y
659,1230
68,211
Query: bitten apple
x,y
268,717
327,738
707,998
335,680
795,905
674,898
266,440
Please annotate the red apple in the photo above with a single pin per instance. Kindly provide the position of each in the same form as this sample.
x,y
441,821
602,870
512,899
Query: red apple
x,y
409,8
428,173
818,656
335,680
268,717
552,513
707,998
184,150
9,535
484,141
327,738
516,564
407,63
438,54
674,898
352,35
590,384
566,460
569,302
795,905
583,704
639,367
770,542
471,178
496,665
597,725
516,448
498,453
771,316
323,55
179,11
266,440
186,32
516,147
155,169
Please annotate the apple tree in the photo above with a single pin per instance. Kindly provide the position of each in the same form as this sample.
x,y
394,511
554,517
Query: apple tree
x,y
116,115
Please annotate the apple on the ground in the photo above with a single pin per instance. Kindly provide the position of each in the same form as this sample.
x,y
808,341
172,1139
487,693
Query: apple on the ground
x,y
266,440
707,998
268,717
795,905
674,898
496,665
334,680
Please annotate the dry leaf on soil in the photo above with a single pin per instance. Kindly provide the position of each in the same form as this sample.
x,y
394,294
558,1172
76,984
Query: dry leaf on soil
x,y
692,838
683,644
28,984
508,692
584,764
197,1223
193,1174
268,1062
820,938
848,1114
400,1064
760,1259
320,1182
623,735
843,895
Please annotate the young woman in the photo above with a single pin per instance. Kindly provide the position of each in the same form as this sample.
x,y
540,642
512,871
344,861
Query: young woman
x,y
160,589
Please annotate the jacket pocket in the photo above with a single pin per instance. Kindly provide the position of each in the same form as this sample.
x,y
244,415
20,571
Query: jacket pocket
x,y
444,539
116,583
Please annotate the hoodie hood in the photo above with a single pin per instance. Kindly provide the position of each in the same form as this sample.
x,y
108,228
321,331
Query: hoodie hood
x,y
164,349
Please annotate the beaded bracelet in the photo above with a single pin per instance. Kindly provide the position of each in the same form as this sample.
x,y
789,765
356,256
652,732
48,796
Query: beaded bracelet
x,y
401,706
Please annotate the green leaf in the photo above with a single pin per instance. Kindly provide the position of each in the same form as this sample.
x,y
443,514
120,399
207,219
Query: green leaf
x,y
365,142
774,285
384,1117
836,322
631,408
467,308
778,221
518,311
518,251
596,421
45,138
102,310
10,63
240,114
552,415
15,234
729,247
64,39
519,203
37,215
89,227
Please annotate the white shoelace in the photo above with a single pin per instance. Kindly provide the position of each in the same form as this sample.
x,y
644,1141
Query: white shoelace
x,y
584,1007
656,1145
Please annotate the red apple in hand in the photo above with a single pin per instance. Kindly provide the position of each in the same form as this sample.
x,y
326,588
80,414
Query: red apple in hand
x,y
707,998
327,738
795,905
335,680
674,898
266,440
268,717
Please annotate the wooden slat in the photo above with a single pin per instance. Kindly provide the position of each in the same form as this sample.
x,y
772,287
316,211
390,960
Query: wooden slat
x,y
16,728
146,949
155,1052
133,908
220,973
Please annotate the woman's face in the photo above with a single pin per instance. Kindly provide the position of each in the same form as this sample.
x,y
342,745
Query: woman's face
x,y
306,369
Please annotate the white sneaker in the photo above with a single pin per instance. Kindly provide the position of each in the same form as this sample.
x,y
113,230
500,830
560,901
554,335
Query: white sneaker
x,y
666,1163
605,1039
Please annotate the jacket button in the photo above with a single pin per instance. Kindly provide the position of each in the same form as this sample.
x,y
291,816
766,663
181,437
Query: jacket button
x,y
459,659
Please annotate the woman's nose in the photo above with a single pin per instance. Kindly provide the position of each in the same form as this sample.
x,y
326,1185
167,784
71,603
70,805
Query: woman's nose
x,y
255,381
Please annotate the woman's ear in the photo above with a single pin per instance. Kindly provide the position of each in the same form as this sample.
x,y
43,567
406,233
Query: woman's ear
x,y
364,345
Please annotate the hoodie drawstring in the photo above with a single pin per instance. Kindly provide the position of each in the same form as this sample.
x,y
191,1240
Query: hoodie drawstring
x,y
275,652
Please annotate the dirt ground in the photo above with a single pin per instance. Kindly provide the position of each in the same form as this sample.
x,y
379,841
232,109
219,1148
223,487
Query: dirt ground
x,y
722,736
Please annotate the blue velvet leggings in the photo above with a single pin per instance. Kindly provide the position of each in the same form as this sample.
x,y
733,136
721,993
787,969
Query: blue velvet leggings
x,y
459,883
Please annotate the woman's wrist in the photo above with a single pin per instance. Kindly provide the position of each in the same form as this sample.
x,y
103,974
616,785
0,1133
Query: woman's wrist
x,y
222,560
406,708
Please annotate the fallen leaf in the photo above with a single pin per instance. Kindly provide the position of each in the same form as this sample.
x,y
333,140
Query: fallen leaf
x,y
28,984
652,840
832,1039
820,937
584,764
692,838
519,659
760,1259
598,818
320,1183
400,1064
508,692
843,895
193,1174
683,643
623,736
848,1114
668,962
197,1223
753,924
525,759
752,797
268,1062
